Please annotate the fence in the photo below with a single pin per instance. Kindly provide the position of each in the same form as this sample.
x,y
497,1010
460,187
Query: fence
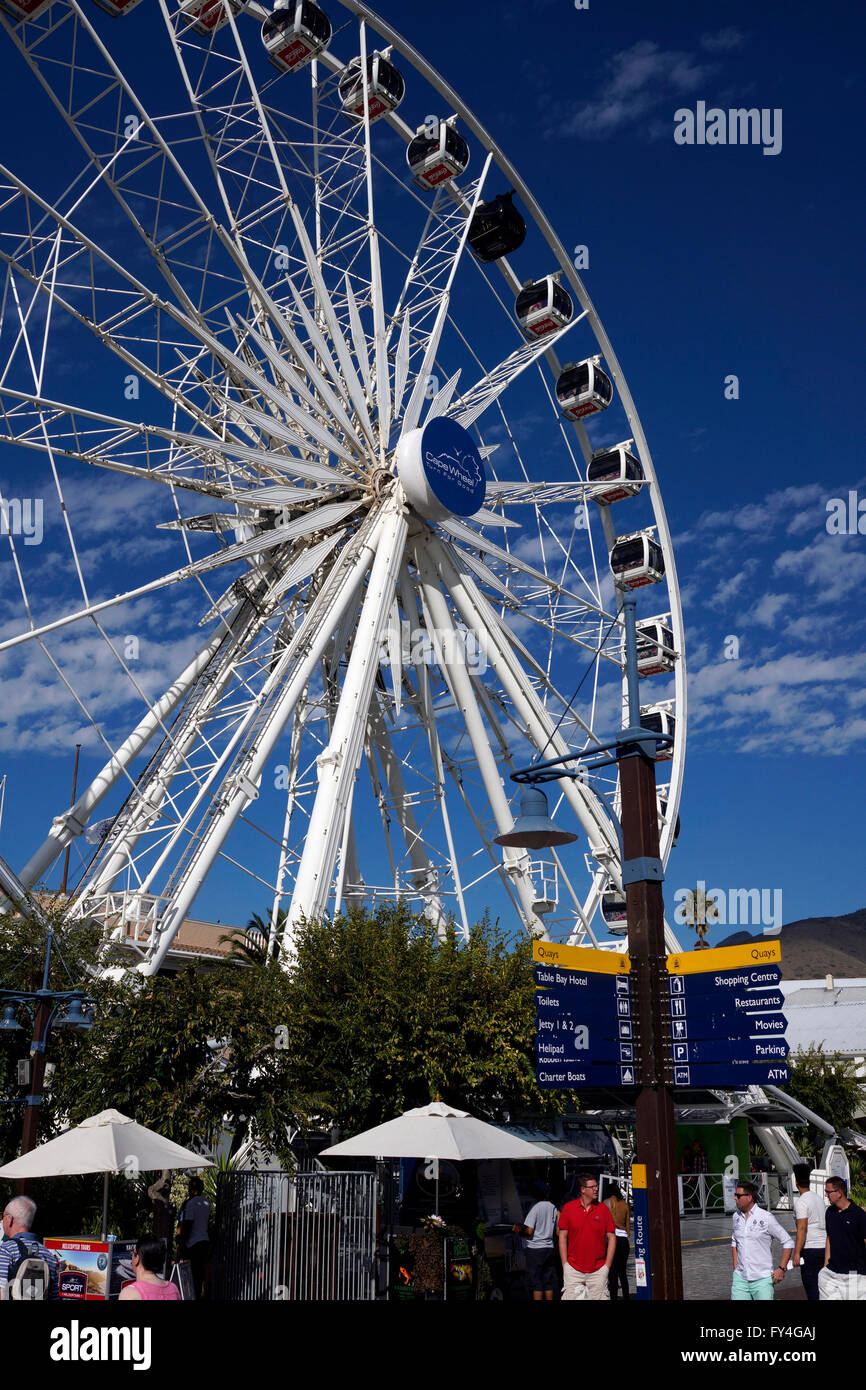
x,y
302,1236
704,1193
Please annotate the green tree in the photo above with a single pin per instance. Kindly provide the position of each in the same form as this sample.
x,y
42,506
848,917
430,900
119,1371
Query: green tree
x,y
827,1084
385,1016
372,1014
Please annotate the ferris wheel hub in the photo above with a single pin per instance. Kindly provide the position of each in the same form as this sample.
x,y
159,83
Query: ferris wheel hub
x,y
441,470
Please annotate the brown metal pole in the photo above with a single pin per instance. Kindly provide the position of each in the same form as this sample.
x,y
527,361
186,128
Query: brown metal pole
x,y
72,803
656,1144
30,1130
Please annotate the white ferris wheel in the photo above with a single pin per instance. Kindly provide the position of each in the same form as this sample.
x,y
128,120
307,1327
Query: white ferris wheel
x,y
391,450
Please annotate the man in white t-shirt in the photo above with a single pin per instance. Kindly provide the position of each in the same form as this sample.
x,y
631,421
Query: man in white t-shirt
x,y
539,1232
193,1223
811,1239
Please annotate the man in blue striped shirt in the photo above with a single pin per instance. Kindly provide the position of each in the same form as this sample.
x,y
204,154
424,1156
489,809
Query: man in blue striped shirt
x,y
17,1226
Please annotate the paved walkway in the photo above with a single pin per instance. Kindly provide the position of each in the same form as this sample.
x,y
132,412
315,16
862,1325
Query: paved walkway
x,y
706,1245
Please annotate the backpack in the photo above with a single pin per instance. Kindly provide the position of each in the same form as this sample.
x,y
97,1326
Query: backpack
x,y
29,1275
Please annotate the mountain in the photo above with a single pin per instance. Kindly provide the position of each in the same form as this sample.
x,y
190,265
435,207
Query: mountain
x,y
817,946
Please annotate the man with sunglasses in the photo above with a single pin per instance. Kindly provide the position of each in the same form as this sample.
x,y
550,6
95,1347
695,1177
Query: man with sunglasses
x,y
844,1272
752,1248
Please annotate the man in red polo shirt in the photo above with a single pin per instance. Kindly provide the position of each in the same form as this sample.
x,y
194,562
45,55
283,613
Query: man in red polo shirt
x,y
587,1244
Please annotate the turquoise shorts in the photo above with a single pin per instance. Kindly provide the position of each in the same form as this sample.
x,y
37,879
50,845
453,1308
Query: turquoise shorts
x,y
751,1290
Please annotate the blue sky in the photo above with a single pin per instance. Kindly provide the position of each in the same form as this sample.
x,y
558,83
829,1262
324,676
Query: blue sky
x,y
703,262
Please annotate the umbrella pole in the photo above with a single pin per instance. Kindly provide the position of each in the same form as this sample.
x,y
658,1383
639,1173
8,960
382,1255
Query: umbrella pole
x,y
105,1207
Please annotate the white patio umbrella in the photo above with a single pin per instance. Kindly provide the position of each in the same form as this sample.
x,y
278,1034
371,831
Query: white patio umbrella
x,y
433,1131
105,1143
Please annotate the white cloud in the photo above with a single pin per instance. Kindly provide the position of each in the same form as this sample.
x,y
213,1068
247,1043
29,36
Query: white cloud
x,y
638,79
723,40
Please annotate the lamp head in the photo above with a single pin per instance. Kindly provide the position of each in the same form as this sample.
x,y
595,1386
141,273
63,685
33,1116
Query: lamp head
x,y
76,1017
9,1023
533,828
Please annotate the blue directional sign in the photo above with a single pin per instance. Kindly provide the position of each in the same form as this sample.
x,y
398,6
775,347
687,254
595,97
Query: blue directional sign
x,y
551,977
549,1002
718,1026
565,1076
729,1001
732,1076
731,1050
714,982
581,1044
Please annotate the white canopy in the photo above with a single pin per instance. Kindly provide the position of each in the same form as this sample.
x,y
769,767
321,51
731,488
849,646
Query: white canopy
x,y
433,1131
106,1143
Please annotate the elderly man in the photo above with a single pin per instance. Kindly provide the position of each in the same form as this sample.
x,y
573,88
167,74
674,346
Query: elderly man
x,y
587,1244
752,1248
19,1242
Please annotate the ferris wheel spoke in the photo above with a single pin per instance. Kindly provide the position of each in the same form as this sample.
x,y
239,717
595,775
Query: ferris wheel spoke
x,y
416,400
488,390
231,118
470,605
338,342
57,61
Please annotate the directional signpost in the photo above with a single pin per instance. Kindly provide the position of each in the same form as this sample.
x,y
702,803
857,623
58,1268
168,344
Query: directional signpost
x,y
583,1011
726,1027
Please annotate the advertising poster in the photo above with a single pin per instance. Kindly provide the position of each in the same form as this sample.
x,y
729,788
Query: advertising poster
x,y
84,1266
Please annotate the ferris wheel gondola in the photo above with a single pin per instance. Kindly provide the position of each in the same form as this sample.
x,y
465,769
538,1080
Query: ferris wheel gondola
x,y
656,654
583,389
497,229
637,560
661,720
543,306
614,474
613,910
25,9
206,16
385,87
437,156
296,33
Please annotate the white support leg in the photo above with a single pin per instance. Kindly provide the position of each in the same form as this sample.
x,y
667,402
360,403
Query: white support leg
x,y
338,765
444,638
302,656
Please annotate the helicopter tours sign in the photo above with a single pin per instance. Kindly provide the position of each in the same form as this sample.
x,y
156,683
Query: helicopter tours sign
x,y
90,1270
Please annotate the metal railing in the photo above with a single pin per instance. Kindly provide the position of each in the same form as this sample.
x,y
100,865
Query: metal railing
x,y
703,1194
302,1236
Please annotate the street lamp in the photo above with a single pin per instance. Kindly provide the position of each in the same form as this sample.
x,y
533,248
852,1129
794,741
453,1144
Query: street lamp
x,y
70,1009
633,751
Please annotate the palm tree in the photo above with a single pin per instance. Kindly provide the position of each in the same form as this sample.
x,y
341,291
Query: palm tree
x,y
252,949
